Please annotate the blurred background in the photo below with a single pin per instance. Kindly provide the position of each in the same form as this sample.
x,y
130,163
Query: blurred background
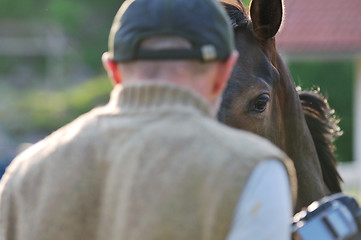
x,y
320,41
50,66
51,72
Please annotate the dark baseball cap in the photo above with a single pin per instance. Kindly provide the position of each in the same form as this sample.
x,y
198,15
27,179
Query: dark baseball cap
x,y
203,23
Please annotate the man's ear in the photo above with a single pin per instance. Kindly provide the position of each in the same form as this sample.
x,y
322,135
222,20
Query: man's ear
x,y
112,68
223,73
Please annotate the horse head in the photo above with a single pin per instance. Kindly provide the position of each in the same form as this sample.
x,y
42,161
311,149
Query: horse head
x,y
261,96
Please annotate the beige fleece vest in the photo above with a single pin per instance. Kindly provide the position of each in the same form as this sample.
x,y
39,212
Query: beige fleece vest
x,y
151,165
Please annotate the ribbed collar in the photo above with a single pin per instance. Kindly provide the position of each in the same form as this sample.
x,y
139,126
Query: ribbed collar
x,y
140,97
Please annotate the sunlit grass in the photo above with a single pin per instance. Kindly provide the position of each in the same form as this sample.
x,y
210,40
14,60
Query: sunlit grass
x,y
46,110
352,191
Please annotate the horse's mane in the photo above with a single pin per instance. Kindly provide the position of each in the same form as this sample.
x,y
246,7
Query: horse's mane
x,y
318,114
324,129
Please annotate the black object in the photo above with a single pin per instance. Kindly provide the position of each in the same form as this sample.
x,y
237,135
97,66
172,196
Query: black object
x,y
333,217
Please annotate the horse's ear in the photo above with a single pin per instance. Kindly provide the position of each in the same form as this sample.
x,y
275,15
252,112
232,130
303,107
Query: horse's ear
x,y
266,17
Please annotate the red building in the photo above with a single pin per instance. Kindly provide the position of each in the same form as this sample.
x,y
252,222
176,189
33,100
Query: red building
x,y
321,27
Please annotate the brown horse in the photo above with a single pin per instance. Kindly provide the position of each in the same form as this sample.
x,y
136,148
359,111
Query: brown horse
x,y
261,97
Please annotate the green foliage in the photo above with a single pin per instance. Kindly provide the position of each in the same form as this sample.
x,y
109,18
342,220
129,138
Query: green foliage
x,y
86,23
68,13
335,79
246,2
39,110
16,9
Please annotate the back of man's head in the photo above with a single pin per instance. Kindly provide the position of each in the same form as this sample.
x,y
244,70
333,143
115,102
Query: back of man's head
x,y
203,23
173,40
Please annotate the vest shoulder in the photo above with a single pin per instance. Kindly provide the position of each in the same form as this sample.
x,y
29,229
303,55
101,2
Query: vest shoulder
x,y
239,140
54,148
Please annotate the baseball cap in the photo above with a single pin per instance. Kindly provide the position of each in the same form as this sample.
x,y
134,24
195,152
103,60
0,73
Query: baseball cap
x,y
203,23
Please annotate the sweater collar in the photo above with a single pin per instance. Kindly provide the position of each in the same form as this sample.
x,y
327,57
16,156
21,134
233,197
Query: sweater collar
x,y
155,96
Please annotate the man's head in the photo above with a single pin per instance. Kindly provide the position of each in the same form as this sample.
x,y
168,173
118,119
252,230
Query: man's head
x,y
189,43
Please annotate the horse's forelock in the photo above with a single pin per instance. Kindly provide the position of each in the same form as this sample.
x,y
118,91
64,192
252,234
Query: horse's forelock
x,y
237,13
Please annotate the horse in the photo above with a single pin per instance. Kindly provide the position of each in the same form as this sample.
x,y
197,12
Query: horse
x,y
261,97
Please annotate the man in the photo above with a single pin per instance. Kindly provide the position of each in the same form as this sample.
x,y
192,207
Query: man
x,y
153,163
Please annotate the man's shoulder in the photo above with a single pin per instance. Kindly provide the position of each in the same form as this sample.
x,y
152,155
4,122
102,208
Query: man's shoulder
x,y
54,148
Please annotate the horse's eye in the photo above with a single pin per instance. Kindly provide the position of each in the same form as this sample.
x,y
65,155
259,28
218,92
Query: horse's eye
x,y
261,103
